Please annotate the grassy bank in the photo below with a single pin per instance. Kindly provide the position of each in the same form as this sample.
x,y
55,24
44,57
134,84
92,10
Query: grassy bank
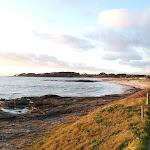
x,y
116,126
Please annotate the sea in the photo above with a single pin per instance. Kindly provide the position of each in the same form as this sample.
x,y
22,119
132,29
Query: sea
x,y
17,87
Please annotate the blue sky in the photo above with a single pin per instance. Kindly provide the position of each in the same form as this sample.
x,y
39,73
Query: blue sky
x,y
86,36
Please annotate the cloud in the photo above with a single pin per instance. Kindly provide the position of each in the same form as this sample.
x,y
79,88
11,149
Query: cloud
x,y
124,36
123,56
123,18
139,64
43,61
89,12
122,44
30,60
113,18
71,41
118,40
110,56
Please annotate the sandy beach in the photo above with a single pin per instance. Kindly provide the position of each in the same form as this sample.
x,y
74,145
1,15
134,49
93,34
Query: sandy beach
x,y
129,84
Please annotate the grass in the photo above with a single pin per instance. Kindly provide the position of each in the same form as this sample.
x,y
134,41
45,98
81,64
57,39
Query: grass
x,y
117,126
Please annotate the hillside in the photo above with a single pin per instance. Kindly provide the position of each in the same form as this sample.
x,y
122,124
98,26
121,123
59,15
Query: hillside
x,y
116,126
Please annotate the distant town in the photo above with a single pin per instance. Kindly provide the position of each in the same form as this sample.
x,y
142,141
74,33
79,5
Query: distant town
x,y
74,74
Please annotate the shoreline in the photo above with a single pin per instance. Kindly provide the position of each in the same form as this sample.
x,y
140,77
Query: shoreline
x,y
47,111
128,88
127,82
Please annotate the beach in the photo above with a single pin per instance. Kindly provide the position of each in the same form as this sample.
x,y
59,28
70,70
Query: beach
x,y
128,83
20,130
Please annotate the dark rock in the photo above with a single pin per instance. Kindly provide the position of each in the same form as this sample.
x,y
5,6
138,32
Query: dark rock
x,y
11,104
6,116
49,96
82,81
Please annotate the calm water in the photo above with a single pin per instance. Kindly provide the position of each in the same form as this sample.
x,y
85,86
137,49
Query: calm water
x,y
16,87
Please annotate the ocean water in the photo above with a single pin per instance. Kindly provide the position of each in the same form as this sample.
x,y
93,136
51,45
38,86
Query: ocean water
x,y
17,87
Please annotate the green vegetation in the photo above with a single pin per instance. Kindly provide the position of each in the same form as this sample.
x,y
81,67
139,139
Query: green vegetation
x,y
117,126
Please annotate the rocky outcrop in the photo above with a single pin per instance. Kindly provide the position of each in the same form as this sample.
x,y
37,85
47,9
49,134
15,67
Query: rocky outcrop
x,y
25,102
6,116
53,105
44,112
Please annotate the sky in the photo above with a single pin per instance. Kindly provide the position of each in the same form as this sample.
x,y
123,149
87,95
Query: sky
x,y
85,36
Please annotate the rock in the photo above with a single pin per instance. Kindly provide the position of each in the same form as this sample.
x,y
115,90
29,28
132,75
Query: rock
x,y
49,96
11,104
82,81
6,116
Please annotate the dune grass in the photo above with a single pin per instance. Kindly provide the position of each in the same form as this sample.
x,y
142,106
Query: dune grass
x,y
117,126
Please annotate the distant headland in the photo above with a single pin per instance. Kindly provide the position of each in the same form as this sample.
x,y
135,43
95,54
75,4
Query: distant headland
x,y
74,74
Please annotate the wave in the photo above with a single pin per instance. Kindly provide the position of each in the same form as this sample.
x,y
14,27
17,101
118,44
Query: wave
x,y
24,87
16,111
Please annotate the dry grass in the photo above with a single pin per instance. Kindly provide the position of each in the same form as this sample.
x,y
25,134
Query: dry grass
x,y
116,126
